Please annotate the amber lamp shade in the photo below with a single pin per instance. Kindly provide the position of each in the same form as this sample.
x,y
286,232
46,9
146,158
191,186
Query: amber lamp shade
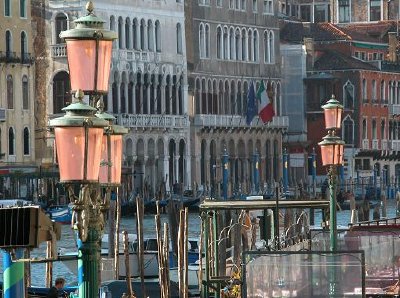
x,y
89,64
110,171
71,147
333,118
332,154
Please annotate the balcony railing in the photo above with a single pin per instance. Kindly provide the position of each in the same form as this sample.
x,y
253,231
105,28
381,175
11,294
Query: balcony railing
x,y
9,57
59,51
375,144
394,145
394,109
153,121
365,144
236,121
26,58
384,144
135,55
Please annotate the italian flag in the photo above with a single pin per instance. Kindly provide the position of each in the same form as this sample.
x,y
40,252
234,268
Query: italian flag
x,y
265,107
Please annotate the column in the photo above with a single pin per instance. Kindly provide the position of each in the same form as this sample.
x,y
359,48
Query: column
x,y
134,97
176,168
119,97
123,34
155,99
185,90
141,96
145,47
126,97
166,171
170,95
188,171
163,86
177,95
109,98
148,96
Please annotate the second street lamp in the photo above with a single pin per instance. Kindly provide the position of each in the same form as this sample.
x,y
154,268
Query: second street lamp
x,y
79,140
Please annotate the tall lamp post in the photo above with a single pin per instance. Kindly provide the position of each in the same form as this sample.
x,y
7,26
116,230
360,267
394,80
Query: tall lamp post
x,y
332,156
80,143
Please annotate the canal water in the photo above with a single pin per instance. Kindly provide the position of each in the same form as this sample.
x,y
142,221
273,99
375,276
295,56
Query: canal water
x,y
67,242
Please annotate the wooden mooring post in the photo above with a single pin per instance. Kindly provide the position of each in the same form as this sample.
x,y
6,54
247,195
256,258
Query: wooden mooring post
x,y
139,230
131,294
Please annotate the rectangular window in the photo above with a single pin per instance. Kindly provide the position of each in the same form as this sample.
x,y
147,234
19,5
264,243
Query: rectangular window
x,y
7,8
254,5
344,11
231,4
22,9
305,13
219,3
268,7
362,57
320,13
375,10
357,54
243,5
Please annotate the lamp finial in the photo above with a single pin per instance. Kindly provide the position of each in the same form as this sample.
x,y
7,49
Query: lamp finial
x,y
90,7
79,95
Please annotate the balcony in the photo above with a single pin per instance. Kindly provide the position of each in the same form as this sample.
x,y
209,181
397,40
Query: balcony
x,y
135,55
384,144
365,144
153,121
236,121
394,145
9,57
394,109
59,51
26,58
375,144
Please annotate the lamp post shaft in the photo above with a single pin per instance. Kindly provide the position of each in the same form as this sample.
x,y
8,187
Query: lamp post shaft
x,y
89,256
332,211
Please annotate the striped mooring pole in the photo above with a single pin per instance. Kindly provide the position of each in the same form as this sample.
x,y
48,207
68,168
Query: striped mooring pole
x,y
13,275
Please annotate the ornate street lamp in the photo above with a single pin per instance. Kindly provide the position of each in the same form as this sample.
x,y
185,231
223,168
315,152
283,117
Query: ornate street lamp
x,y
89,50
79,141
332,156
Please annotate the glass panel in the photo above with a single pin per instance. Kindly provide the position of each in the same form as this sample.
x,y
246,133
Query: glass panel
x,y
116,160
81,59
70,143
303,274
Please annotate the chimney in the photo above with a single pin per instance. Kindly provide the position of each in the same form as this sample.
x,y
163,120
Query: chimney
x,y
309,44
392,46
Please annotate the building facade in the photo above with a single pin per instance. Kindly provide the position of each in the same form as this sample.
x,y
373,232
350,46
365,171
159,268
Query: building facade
x,y
147,88
229,45
17,121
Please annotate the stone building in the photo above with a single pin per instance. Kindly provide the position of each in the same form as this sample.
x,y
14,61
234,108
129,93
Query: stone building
x,y
340,11
17,122
229,45
147,87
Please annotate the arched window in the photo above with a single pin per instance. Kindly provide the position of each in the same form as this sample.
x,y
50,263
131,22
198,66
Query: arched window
x,y
374,132
364,90
374,97
201,40
150,36
250,45
348,95
61,25
120,37
11,141
10,92
219,42
25,93
225,43
271,47
232,44
348,130
237,45
135,34
244,44
255,45
128,34
22,8
8,44
142,28
179,49
24,45
158,36
7,8
61,88
26,141
207,41
383,129
383,98
364,129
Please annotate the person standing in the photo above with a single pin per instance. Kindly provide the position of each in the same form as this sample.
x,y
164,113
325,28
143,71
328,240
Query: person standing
x,y
56,291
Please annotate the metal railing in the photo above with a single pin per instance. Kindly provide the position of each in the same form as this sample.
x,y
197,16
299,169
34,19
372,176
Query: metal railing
x,y
228,121
153,121
375,144
136,55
